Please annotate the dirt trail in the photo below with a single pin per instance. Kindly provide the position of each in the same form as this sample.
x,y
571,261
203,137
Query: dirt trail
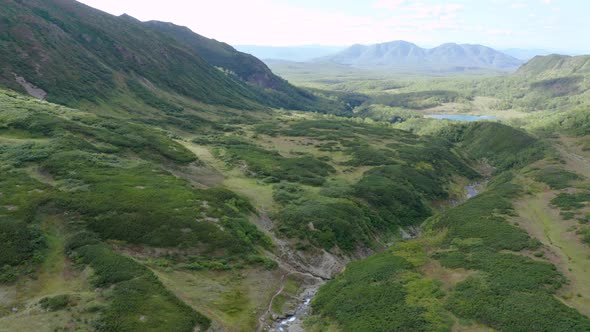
x,y
267,313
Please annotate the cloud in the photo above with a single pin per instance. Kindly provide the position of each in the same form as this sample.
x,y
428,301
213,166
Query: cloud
x,y
287,22
388,4
501,32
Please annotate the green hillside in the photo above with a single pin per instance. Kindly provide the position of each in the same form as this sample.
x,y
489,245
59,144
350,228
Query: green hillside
x,y
555,65
158,180
274,90
471,265
75,53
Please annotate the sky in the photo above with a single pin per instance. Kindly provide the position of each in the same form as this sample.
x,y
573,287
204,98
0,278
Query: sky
x,y
538,24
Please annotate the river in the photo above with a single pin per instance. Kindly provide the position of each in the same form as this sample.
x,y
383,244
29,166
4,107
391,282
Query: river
x,y
293,322
462,117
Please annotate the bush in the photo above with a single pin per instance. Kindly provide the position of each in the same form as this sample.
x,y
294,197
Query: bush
x,y
263,163
567,201
55,303
556,178
328,223
382,293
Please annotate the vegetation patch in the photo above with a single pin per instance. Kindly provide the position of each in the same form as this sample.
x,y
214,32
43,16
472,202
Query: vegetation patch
x,y
138,299
556,177
567,201
504,147
55,303
263,163
383,293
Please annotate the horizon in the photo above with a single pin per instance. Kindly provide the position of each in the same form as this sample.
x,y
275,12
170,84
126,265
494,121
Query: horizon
x,y
500,24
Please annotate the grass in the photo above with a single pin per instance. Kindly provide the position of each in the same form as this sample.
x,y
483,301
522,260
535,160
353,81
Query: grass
x,y
541,221
291,288
137,295
232,299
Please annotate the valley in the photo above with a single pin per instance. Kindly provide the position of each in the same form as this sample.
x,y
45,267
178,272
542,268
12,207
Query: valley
x,y
166,181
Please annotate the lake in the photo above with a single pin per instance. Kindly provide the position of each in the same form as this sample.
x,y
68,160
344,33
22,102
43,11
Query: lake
x,y
462,117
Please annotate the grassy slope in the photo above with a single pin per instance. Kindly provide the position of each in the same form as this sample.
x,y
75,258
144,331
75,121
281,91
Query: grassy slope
x,y
489,275
71,159
544,221
71,153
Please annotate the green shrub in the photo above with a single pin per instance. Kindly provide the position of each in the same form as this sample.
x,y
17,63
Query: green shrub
x,y
19,242
328,223
55,303
504,147
556,178
263,163
567,201
382,293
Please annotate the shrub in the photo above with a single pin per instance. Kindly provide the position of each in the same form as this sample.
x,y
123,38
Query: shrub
x,y
55,303
556,178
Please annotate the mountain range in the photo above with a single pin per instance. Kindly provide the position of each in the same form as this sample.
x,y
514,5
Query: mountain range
x,y
403,55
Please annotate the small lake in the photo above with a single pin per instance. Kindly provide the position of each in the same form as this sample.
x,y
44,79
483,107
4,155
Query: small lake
x,y
462,117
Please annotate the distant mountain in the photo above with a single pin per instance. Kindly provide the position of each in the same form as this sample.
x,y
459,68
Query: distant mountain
x,y
289,53
403,55
70,53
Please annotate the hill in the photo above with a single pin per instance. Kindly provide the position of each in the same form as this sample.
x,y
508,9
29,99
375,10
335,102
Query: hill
x,y
70,53
556,65
249,69
402,55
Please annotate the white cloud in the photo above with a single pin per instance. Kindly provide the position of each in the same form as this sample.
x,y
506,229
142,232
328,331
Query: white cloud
x,y
388,4
268,22
287,22
502,32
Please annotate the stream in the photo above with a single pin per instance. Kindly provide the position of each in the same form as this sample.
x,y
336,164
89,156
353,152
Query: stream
x,y
293,321
471,190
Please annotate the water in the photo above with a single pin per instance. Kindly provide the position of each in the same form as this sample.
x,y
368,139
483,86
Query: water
x,y
294,321
472,190
462,117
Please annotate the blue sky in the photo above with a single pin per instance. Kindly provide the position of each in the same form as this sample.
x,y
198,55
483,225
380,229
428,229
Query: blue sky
x,y
546,24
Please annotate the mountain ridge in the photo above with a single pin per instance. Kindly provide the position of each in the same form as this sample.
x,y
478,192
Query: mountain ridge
x,y
70,53
556,65
403,54
246,67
